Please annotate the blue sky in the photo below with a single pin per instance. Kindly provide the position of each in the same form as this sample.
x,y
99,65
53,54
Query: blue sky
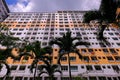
x,y
9,2
51,5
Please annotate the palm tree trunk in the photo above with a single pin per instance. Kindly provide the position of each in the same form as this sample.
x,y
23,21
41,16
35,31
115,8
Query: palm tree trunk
x,y
51,77
70,76
101,36
35,71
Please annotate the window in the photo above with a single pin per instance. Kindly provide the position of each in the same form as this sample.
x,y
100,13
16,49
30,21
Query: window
x,y
109,78
64,68
101,78
114,78
92,78
83,50
115,67
118,44
97,67
33,38
40,78
25,78
64,59
118,77
22,67
90,50
45,38
12,33
116,33
18,78
114,38
86,38
95,33
31,78
105,50
14,67
73,58
74,68
108,67
15,29
89,67
112,51
21,29
61,33
19,33
104,67
30,29
117,58
102,44
44,43
110,58
78,34
27,38
34,33
46,33
94,58
83,33
28,33
110,33
36,29
86,58
9,78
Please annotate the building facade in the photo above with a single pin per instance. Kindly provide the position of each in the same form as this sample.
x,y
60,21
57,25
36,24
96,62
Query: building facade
x,y
101,61
3,10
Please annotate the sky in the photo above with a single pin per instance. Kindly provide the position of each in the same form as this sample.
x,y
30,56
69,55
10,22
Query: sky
x,y
51,5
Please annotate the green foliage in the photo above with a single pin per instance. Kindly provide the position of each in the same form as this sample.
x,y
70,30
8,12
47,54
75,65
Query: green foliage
x,y
37,50
50,69
40,54
106,12
92,15
105,15
67,46
7,40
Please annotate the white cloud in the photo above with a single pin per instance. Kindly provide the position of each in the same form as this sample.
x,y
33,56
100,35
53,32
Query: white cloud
x,y
53,5
21,6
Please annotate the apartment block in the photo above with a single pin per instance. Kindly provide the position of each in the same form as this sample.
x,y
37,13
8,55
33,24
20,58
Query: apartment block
x,y
3,10
101,61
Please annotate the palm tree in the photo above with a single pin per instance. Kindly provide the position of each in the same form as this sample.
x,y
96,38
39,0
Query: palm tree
x,y
49,69
3,57
8,41
67,46
39,54
106,14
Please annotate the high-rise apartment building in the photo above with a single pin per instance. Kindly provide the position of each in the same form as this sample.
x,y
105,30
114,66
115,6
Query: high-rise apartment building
x,y
101,61
3,10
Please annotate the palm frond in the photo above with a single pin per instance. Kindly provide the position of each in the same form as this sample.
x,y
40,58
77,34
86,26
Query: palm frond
x,y
76,51
55,42
87,44
25,54
60,56
75,38
43,72
32,66
54,66
7,67
43,67
91,15
58,71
